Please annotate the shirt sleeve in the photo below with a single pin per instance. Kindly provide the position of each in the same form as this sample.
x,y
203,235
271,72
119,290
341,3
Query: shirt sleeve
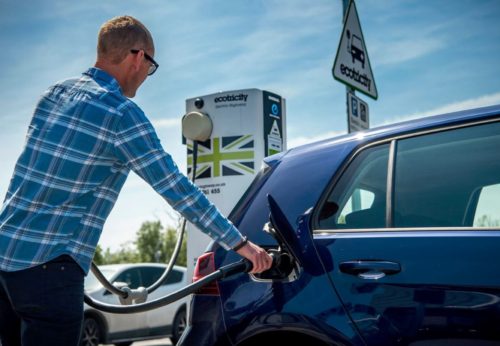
x,y
138,146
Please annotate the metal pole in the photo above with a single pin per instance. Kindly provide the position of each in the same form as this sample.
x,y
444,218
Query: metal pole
x,y
356,197
348,89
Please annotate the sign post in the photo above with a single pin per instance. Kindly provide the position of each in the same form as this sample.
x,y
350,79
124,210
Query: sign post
x,y
357,110
352,66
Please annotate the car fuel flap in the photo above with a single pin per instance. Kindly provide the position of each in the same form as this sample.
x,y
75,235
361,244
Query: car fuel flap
x,y
283,231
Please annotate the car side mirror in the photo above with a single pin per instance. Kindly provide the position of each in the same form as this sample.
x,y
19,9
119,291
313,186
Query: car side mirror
x,y
329,209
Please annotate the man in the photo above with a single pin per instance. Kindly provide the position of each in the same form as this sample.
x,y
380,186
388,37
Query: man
x,y
84,138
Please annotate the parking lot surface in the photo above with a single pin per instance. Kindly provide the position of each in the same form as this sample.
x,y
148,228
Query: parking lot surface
x,y
155,342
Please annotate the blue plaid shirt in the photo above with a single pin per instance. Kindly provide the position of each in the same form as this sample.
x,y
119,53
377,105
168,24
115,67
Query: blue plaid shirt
x,y
83,140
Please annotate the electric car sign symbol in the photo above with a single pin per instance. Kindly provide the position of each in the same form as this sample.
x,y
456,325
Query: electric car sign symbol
x,y
356,48
352,66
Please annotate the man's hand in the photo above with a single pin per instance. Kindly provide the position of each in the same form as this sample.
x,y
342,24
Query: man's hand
x,y
260,259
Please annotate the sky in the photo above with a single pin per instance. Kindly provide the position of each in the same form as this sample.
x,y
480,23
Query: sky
x,y
427,57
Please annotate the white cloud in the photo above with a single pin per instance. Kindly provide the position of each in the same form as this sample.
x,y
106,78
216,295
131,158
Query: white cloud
x,y
298,141
265,46
482,101
413,39
398,51
166,123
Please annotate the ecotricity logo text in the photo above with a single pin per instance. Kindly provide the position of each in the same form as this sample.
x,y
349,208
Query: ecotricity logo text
x,y
356,76
231,98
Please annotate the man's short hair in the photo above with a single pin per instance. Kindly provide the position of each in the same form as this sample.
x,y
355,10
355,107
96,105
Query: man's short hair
x,y
119,35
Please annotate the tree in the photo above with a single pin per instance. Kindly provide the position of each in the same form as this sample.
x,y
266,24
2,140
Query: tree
x,y
127,254
170,241
98,256
155,245
487,221
152,244
149,242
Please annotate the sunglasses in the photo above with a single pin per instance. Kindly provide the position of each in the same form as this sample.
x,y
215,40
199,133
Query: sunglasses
x,y
154,65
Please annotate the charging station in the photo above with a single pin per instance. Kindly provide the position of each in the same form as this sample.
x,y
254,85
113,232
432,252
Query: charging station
x,y
246,126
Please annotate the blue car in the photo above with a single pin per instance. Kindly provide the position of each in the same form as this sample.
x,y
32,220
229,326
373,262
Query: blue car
x,y
385,237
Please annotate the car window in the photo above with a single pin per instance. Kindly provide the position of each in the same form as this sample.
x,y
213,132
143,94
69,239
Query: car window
x,y
174,277
487,213
150,275
438,176
91,281
131,277
443,179
358,200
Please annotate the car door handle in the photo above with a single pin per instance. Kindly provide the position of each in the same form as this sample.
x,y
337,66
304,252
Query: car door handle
x,y
370,270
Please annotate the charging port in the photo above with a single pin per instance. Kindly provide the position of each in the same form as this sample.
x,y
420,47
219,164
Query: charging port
x,y
284,268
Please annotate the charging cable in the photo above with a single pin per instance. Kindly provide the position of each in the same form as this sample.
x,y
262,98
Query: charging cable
x,y
222,273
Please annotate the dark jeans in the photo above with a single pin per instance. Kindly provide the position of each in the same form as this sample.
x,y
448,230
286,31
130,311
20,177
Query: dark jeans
x,y
42,305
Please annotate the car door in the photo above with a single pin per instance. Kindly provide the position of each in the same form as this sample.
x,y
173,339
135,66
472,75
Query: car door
x,y
125,325
160,320
413,228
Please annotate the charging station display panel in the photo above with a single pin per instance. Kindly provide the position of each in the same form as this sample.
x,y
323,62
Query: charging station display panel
x,y
248,125
273,123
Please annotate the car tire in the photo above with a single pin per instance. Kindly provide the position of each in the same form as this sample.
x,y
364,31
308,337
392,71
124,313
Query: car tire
x,y
91,332
179,324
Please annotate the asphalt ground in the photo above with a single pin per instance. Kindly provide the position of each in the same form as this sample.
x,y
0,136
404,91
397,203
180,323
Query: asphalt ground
x,y
155,342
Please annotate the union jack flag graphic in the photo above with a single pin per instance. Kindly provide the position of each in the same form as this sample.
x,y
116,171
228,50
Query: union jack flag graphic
x,y
223,156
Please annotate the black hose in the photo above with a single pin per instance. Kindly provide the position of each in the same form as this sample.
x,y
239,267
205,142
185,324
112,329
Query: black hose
x,y
108,285
223,272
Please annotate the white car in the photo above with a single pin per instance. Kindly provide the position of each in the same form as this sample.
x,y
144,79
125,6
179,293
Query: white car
x,y
123,329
